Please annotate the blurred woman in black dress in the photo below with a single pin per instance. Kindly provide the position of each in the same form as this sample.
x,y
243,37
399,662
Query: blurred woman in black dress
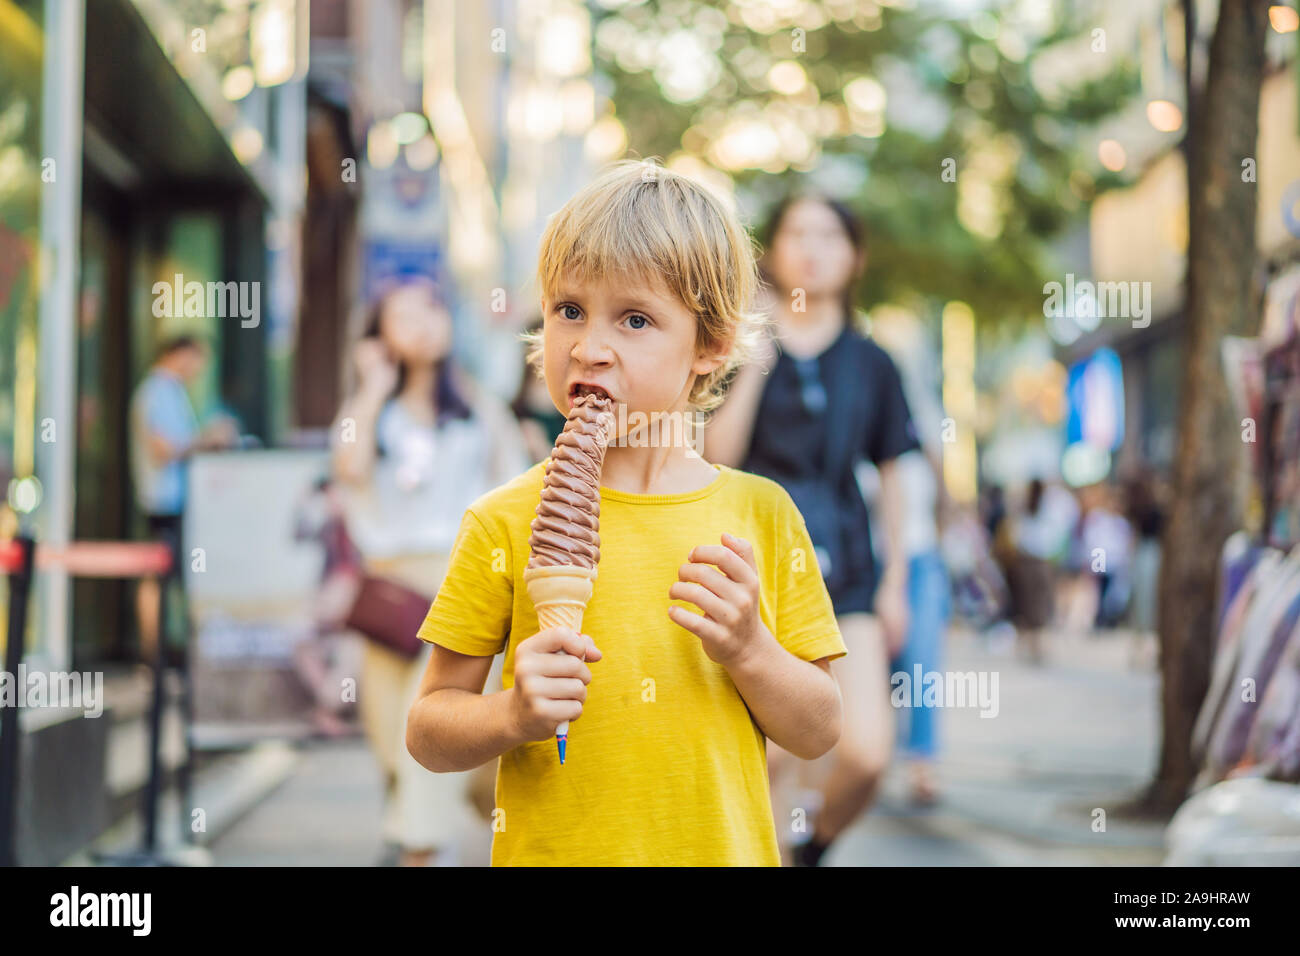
x,y
820,399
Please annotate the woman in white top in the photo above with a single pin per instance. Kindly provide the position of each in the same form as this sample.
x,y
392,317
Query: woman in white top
x,y
413,447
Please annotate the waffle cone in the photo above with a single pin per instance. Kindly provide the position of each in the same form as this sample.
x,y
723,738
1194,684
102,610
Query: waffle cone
x,y
560,594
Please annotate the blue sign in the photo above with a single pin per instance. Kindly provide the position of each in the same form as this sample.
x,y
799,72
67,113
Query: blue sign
x,y
389,259
1095,394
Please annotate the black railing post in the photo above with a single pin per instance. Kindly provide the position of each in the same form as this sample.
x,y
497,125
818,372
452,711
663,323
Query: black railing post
x,y
20,584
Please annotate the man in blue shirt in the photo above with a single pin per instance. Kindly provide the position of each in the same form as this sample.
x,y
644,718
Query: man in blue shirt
x,y
164,433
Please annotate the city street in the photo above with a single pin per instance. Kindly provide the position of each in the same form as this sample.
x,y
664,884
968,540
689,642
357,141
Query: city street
x,y
1020,788
334,332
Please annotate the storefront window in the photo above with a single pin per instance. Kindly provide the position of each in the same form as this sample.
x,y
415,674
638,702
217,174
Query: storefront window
x,y
1164,385
100,607
192,250
116,305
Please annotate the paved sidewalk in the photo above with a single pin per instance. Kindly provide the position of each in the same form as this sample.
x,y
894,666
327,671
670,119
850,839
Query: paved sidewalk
x,y
1020,788
1078,734
329,813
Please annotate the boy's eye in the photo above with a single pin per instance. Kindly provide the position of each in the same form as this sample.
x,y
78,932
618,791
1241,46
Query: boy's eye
x,y
570,312
637,321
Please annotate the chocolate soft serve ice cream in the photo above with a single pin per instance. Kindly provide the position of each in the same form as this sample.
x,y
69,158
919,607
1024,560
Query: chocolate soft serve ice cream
x,y
566,530
564,546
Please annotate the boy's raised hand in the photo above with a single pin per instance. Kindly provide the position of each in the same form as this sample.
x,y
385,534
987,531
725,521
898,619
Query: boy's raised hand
x,y
722,581
550,687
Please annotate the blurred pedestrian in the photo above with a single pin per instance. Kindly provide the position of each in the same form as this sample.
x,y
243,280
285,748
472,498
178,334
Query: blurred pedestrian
x,y
165,432
821,398
332,653
1030,575
413,446
930,606
992,508
1104,553
927,511
1108,531
1146,514
978,588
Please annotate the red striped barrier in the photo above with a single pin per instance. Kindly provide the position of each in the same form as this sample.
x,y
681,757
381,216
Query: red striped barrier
x,y
93,559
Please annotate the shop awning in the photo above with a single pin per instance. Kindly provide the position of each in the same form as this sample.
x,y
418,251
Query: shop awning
x,y
137,101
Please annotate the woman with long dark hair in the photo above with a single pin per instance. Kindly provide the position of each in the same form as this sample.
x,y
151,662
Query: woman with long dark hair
x,y
822,399
413,446
1031,577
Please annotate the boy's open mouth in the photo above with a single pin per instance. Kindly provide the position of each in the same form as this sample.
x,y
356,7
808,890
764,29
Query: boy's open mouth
x,y
578,389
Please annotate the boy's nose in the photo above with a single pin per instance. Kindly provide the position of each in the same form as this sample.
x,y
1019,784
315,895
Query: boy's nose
x,y
592,349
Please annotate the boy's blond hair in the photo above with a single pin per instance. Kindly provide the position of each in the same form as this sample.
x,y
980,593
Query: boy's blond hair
x,y
639,223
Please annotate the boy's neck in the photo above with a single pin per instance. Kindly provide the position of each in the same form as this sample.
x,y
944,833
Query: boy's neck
x,y
658,470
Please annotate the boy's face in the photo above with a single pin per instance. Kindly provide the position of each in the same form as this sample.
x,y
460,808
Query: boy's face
x,y
634,342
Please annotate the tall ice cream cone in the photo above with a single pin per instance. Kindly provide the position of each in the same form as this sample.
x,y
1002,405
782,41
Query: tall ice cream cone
x,y
564,547
560,594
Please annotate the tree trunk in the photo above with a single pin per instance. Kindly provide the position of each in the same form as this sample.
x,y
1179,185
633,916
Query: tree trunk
x,y
1221,260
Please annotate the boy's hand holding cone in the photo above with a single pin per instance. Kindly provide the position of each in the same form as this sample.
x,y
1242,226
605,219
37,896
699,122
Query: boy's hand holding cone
x,y
551,675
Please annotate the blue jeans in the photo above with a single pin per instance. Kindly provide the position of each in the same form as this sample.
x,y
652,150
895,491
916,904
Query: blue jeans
x,y
929,607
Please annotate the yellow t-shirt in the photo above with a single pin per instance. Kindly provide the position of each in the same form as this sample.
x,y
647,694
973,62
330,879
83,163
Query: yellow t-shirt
x,y
665,766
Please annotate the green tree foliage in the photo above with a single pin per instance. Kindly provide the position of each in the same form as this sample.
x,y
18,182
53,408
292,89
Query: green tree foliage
x,y
1003,102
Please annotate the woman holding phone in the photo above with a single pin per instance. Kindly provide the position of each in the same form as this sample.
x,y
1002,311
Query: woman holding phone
x,y
413,446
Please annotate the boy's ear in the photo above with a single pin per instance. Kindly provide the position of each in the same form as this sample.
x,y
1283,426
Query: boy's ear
x,y
709,360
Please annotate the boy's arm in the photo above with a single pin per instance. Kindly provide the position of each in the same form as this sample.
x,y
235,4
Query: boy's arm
x,y
453,725
796,703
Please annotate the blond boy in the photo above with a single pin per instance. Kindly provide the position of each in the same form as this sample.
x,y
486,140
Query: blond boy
x,y
710,627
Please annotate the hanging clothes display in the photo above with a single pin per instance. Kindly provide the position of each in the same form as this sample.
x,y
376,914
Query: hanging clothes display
x,y
1244,566
1249,722
1266,630
1278,451
1274,745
